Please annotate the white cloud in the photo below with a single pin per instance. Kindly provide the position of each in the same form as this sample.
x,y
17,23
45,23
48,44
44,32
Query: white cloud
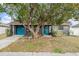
x,y
5,18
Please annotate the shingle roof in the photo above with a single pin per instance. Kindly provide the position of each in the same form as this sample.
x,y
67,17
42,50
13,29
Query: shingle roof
x,y
65,24
18,23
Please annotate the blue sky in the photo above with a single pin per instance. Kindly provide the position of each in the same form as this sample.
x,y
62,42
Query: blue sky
x,y
3,14
5,18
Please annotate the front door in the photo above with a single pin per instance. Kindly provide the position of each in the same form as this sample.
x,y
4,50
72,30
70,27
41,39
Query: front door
x,y
46,30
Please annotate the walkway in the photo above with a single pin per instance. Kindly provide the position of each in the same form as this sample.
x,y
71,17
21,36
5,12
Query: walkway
x,y
7,41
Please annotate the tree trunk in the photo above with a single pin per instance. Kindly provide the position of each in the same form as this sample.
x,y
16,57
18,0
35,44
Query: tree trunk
x,y
34,33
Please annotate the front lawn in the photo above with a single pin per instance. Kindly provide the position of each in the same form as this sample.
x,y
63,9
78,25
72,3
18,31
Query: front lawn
x,y
2,36
54,44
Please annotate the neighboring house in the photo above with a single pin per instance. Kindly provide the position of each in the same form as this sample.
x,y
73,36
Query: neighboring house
x,y
73,27
5,19
19,29
3,28
74,30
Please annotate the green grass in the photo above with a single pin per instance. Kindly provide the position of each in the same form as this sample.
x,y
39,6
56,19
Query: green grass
x,y
57,50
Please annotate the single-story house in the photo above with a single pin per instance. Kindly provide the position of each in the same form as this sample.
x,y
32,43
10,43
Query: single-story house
x,y
18,29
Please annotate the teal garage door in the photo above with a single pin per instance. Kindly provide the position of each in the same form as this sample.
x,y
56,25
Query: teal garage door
x,y
20,30
46,30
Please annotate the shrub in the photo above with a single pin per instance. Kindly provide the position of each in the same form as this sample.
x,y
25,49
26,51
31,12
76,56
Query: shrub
x,y
8,32
54,33
57,50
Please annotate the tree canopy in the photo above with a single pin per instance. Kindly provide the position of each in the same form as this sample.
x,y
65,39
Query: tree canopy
x,y
56,13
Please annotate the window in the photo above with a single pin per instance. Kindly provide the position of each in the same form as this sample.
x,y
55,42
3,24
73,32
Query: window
x,y
60,27
50,27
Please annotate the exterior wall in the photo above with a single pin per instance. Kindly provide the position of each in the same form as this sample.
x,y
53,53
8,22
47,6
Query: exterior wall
x,y
61,32
13,30
66,30
54,28
3,30
74,31
50,29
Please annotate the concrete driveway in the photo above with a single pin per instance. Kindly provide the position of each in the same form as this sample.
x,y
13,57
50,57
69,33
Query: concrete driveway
x,y
7,41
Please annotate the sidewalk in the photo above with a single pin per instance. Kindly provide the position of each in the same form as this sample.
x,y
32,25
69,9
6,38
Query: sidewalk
x,y
36,54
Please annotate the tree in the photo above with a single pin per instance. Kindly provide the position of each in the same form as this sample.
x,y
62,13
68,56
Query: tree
x,y
1,8
31,14
39,14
